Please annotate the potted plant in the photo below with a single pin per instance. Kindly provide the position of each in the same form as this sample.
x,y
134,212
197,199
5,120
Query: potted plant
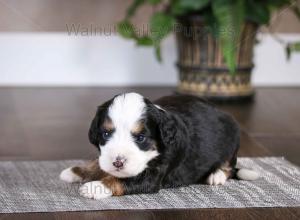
x,y
215,40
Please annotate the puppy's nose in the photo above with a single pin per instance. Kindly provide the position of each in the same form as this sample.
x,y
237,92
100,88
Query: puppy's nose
x,y
119,162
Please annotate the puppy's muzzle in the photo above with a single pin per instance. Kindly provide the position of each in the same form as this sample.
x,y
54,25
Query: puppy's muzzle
x,y
119,162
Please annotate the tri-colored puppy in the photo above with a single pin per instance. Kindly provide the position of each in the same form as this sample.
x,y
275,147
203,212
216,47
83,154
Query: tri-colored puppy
x,y
144,146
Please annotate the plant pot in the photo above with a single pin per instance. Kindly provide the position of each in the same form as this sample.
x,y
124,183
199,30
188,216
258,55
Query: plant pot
x,y
202,68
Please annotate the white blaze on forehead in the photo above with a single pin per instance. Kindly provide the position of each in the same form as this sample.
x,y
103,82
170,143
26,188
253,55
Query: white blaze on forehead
x,y
126,110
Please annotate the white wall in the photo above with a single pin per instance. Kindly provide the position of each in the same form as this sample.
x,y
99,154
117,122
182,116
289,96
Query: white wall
x,y
271,66
57,59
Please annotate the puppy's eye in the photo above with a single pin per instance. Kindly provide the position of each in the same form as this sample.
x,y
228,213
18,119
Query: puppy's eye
x,y
140,138
106,135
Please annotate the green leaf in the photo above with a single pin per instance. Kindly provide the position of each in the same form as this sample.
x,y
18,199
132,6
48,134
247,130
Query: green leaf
x,y
158,53
276,4
193,4
154,2
133,7
292,47
126,29
180,7
288,52
296,11
257,11
230,16
144,41
177,10
295,47
160,26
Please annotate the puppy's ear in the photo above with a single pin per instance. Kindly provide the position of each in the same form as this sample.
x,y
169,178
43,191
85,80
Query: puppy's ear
x,y
171,129
95,128
94,131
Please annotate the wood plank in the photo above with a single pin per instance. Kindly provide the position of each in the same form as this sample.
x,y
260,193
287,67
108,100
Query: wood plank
x,y
273,111
287,146
241,213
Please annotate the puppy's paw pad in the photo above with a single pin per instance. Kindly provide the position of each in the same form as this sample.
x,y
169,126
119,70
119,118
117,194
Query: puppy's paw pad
x,y
217,178
69,176
95,190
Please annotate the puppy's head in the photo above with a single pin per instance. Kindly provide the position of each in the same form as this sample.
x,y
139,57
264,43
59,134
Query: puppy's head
x,y
125,135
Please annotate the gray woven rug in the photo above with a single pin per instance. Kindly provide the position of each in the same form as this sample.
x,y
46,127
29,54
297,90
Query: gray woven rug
x,y
35,187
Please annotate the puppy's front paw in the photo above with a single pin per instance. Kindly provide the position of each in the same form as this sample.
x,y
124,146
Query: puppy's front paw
x,y
217,178
69,176
95,190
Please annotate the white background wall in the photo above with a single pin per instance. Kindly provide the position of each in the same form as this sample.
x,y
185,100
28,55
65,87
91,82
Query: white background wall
x,y
57,59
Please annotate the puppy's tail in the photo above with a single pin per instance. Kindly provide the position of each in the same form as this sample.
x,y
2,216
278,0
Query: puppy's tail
x,y
245,174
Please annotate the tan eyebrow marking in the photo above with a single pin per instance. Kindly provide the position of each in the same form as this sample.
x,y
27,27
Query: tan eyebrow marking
x,y
138,127
108,125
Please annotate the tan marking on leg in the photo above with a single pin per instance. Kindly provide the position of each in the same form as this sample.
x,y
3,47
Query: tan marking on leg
x,y
114,185
219,176
227,169
89,172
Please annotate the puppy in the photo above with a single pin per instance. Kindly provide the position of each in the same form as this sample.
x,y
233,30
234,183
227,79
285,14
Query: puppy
x,y
143,146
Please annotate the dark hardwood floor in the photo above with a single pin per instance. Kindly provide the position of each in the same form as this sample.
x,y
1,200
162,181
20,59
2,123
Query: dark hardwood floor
x,y
52,123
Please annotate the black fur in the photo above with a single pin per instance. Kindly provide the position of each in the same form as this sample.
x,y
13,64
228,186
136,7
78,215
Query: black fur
x,y
96,128
193,139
